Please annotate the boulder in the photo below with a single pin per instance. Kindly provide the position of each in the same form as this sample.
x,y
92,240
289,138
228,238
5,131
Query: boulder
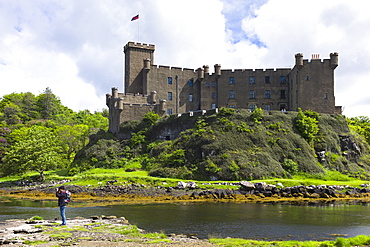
x,y
246,185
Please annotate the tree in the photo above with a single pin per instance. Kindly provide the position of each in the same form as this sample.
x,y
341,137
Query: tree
x,y
24,103
48,104
96,120
33,148
72,139
361,125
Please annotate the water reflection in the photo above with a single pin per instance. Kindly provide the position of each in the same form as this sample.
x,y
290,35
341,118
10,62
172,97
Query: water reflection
x,y
259,221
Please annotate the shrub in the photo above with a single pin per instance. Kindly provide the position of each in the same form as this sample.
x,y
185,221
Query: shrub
x,y
168,172
290,166
307,126
257,115
226,111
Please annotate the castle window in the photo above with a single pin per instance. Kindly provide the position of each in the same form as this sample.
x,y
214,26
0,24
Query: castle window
x,y
251,94
213,84
169,80
213,95
169,95
282,94
191,98
232,94
232,80
207,84
232,106
251,80
267,79
267,94
325,95
190,82
267,107
213,106
282,79
169,111
307,77
252,107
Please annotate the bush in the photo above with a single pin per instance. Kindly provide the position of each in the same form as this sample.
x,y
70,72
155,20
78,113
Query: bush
x,y
307,126
167,172
290,166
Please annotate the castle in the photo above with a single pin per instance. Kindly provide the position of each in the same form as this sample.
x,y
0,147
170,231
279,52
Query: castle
x,y
172,90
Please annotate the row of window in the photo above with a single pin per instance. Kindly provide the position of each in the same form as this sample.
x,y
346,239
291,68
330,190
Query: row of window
x,y
252,95
231,81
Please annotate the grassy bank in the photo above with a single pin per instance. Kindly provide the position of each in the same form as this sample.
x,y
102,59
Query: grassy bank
x,y
98,176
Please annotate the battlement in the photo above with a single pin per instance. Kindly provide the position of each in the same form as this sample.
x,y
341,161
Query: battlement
x,y
139,45
315,59
169,68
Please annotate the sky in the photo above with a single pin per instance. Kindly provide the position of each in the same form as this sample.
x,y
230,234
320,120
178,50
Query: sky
x,y
75,47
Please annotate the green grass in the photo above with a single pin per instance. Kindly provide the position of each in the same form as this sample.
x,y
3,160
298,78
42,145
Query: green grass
x,y
35,243
360,240
36,218
97,177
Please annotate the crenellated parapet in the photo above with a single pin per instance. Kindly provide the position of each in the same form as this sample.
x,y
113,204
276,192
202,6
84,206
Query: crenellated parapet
x,y
139,46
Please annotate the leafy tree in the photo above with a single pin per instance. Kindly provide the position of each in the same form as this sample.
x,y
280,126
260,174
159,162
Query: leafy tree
x,y
361,125
11,114
72,139
93,120
150,118
23,103
307,126
48,104
33,149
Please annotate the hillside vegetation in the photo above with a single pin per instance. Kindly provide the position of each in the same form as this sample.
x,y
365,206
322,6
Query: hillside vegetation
x,y
39,134
232,145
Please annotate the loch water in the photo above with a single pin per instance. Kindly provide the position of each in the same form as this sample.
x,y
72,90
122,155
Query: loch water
x,y
246,220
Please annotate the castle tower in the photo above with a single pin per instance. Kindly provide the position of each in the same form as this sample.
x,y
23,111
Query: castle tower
x,y
137,56
312,84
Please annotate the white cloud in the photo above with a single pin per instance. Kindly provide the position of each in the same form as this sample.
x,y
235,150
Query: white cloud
x,y
76,46
287,27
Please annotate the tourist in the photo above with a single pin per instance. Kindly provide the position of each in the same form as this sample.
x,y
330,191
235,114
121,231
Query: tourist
x,y
62,197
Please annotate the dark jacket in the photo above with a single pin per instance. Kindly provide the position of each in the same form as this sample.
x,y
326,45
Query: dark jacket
x,y
62,195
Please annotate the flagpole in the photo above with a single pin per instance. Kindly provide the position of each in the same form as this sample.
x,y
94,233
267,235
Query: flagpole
x,y
138,27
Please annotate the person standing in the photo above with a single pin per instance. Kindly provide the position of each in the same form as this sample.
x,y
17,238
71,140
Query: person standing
x,y
62,197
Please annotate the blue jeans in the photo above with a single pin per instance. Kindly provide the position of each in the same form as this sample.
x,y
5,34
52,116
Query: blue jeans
x,y
63,214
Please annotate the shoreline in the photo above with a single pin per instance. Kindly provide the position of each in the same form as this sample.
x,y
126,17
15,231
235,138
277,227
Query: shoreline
x,y
140,194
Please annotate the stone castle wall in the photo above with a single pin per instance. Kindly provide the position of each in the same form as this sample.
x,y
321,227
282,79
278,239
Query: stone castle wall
x,y
172,90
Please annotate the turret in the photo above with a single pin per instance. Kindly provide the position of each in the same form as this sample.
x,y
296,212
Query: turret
x,y
334,60
162,105
218,69
299,60
200,73
153,95
206,69
120,104
115,92
147,63
107,99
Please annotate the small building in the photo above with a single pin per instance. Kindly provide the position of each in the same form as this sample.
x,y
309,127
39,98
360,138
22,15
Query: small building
x,y
309,85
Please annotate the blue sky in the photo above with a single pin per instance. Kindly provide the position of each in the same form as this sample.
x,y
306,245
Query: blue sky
x,y
75,47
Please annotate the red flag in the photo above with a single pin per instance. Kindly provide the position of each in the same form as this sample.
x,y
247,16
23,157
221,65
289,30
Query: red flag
x,y
135,17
